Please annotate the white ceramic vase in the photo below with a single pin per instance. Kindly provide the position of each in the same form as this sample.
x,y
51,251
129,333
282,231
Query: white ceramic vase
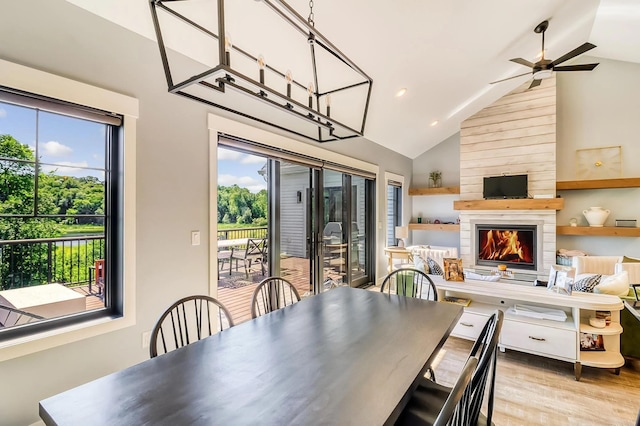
x,y
596,216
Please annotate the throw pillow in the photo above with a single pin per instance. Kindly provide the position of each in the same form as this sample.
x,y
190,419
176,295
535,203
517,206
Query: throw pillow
x,y
587,284
627,259
434,267
617,284
419,263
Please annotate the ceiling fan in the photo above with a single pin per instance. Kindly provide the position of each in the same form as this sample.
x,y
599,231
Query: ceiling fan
x,y
544,67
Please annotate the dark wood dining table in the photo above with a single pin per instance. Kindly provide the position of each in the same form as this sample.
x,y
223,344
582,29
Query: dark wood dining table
x,y
346,356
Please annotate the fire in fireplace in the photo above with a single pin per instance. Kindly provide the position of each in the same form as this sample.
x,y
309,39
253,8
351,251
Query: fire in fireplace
x,y
514,246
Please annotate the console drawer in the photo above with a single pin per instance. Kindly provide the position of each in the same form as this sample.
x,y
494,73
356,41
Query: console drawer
x,y
555,342
470,325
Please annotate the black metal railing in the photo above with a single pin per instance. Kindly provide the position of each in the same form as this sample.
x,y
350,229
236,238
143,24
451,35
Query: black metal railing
x,y
67,260
232,234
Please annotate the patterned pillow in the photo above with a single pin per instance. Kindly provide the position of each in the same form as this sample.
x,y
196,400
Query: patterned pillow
x,y
587,284
419,263
434,267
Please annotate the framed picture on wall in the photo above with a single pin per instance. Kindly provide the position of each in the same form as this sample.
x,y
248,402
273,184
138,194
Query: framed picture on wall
x,y
453,269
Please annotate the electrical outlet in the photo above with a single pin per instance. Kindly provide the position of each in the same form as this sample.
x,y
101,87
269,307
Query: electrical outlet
x,y
195,238
146,339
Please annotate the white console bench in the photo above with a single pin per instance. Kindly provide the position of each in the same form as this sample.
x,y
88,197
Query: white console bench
x,y
544,337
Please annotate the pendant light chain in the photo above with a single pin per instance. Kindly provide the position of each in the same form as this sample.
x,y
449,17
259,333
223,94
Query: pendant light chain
x,y
310,18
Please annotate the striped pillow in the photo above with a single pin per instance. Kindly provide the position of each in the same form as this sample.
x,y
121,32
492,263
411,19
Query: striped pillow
x,y
587,284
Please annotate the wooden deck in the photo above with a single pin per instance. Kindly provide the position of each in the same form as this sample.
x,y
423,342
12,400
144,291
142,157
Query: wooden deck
x,y
235,290
92,302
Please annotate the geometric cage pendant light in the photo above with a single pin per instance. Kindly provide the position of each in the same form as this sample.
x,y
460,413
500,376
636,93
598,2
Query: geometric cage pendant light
x,y
263,61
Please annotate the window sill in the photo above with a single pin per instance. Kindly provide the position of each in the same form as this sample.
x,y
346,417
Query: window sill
x,y
26,345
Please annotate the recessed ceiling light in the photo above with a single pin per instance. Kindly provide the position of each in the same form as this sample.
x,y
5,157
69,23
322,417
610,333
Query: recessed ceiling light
x,y
401,92
433,123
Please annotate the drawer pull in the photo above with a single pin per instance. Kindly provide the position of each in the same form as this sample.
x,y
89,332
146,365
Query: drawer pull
x,y
466,324
539,339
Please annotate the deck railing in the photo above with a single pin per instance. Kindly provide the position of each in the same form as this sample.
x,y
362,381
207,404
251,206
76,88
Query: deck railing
x,y
65,260
232,234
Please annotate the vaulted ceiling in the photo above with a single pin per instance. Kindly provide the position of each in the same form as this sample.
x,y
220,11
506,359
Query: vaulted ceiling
x,y
445,53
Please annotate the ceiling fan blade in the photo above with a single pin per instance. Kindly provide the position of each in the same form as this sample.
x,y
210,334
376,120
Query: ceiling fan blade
x,y
575,52
509,78
522,62
582,67
535,83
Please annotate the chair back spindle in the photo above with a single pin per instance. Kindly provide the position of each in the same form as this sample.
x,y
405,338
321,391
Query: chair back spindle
x,y
186,321
272,294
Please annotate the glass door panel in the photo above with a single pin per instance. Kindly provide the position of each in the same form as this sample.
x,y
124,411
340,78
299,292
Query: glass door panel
x,y
295,232
333,232
358,241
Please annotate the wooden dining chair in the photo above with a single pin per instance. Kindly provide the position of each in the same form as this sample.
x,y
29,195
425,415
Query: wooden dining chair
x,y
188,320
451,411
430,395
272,294
410,282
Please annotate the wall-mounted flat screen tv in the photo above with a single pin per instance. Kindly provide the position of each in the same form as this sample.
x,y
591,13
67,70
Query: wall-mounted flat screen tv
x,y
496,187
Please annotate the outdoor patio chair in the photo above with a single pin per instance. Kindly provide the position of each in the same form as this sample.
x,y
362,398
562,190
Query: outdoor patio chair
x,y
431,394
186,321
256,251
272,294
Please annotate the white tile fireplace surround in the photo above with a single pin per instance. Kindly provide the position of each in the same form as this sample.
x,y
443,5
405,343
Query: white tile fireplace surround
x,y
543,220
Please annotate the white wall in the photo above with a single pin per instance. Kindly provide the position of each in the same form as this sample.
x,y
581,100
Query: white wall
x,y
598,109
444,157
172,187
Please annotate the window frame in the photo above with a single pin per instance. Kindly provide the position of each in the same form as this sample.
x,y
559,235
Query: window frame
x,y
82,326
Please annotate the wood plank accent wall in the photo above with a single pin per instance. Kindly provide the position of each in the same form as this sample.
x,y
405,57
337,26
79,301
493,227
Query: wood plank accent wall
x,y
514,135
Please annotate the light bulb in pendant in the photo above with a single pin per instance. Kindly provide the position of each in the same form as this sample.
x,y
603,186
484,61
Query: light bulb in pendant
x,y
310,92
261,65
227,48
289,78
328,102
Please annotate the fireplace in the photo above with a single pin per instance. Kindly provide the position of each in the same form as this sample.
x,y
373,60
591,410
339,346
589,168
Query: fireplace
x,y
511,245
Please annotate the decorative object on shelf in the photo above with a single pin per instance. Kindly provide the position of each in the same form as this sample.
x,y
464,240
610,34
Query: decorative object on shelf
x,y
573,221
502,268
597,322
604,315
435,179
453,269
419,219
626,223
457,300
561,279
599,163
225,75
596,216
591,342
402,233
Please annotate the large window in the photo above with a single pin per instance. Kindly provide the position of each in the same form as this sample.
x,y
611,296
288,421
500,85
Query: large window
x,y
394,210
61,212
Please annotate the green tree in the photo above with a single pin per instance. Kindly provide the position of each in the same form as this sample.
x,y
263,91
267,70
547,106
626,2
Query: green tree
x,y
17,189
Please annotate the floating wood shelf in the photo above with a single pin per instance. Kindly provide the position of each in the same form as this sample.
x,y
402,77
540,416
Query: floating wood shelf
x,y
599,184
434,227
515,204
445,190
605,231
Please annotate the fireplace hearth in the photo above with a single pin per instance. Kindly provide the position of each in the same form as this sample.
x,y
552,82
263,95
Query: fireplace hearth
x,y
510,245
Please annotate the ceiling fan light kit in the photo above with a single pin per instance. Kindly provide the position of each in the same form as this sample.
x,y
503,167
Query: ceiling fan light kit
x,y
278,60
544,68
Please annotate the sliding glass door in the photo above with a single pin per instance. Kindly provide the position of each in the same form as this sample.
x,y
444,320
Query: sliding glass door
x,y
318,224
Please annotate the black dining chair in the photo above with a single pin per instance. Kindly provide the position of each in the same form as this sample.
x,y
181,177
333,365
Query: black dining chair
x,y
186,321
429,395
451,411
272,294
410,282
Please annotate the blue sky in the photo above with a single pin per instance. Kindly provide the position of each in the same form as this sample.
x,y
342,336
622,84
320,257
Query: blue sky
x,y
242,169
75,146
70,144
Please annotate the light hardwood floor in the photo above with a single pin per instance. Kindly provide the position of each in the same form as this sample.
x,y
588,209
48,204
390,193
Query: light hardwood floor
x,y
532,390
